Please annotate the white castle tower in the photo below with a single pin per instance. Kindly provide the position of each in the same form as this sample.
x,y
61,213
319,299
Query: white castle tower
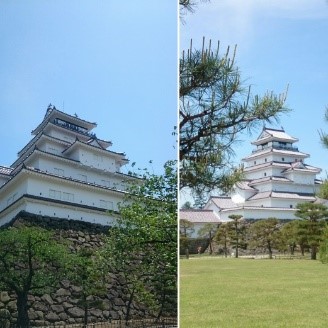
x,y
276,179
64,171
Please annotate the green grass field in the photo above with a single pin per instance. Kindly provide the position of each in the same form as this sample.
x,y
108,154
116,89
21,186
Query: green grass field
x,y
218,292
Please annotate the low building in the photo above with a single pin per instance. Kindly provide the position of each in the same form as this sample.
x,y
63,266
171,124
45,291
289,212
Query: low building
x,y
197,218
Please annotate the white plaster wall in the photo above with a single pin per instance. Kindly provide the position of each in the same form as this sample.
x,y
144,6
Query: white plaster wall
x,y
259,214
60,211
11,192
82,194
97,160
79,172
288,187
299,177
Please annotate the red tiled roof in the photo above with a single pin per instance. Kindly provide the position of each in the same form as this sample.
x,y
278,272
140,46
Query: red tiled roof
x,y
199,216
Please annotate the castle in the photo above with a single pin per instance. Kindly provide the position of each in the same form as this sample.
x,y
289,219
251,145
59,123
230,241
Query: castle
x,y
64,171
276,179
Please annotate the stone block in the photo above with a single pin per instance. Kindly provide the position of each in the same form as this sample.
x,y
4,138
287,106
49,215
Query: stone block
x,y
52,317
67,305
75,312
38,306
47,299
12,306
4,297
57,308
63,292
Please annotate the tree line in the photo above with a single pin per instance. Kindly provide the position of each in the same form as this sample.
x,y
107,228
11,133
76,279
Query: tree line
x,y
307,233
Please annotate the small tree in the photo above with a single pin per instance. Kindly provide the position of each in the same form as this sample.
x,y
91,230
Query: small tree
x,y
208,231
237,229
289,236
312,224
266,233
186,229
87,274
30,261
142,247
223,237
215,108
323,250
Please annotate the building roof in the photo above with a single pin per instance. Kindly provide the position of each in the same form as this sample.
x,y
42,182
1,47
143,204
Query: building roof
x,y
199,216
268,134
283,195
5,170
53,113
266,151
78,143
266,179
245,185
222,202
299,166
264,165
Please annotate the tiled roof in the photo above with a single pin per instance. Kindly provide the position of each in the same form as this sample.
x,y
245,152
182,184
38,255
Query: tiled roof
x,y
263,165
199,216
277,151
244,185
265,179
5,170
270,134
299,166
284,195
77,141
222,202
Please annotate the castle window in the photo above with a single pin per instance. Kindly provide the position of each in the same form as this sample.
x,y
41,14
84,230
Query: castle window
x,y
265,174
254,162
68,196
283,159
56,194
291,206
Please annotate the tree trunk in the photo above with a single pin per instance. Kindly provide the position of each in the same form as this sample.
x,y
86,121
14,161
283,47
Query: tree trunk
x,y
237,247
128,307
187,253
85,321
22,310
313,252
270,251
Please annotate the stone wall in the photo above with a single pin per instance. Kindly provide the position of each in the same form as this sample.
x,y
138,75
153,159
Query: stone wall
x,y
61,307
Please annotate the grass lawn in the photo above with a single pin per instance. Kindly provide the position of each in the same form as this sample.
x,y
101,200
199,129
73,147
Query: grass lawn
x,y
218,292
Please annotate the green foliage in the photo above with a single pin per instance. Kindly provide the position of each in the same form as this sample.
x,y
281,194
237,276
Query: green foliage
x,y
30,260
143,245
237,231
215,107
86,272
289,236
223,237
312,224
323,250
323,191
186,228
265,234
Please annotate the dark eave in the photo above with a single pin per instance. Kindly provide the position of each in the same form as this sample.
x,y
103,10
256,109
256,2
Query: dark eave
x,y
53,113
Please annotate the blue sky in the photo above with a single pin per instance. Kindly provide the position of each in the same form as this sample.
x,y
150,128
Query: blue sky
x,y
110,62
279,43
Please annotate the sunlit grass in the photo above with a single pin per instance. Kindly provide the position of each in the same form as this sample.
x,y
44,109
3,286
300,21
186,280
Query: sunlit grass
x,y
219,292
